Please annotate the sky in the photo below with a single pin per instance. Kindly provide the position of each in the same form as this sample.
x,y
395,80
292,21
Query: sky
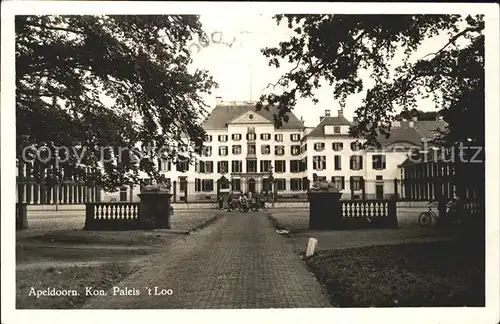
x,y
243,73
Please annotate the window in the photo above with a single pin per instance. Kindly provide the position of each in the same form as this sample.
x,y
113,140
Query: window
x,y
278,137
339,182
251,166
222,166
378,162
182,165
197,185
294,166
356,183
337,146
207,185
318,147
209,166
123,194
251,136
222,150
265,149
319,162
337,162
222,138
208,138
264,165
236,149
236,166
356,162
224,185
336,129
164,165
279,150
182,184
207,151
236,137
303,165
295,149
355,146
379,177
279,166
295,137
295,184
265,136
251,149
236,184
280,185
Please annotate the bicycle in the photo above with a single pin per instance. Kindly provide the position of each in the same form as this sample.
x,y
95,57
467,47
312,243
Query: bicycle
x,y
426,218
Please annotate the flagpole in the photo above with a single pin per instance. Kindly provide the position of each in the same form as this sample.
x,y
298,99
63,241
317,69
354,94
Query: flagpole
x,y
251,81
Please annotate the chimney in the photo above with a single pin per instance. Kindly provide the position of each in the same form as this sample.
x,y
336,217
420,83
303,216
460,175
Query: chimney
x,y
321,118
327,113
218,101
341,113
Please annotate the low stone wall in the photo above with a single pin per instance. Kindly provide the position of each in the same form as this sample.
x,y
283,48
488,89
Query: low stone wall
x,y
211,205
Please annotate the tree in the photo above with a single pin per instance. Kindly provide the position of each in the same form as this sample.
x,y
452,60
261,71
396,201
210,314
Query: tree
x,y
336,48
419,114
96,86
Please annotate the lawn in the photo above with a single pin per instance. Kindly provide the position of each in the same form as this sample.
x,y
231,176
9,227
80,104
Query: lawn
x,y
408,275
68,278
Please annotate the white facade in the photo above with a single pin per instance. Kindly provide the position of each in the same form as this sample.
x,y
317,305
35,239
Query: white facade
x,y
315,145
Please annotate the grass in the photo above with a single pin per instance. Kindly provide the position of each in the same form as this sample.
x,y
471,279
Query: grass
x,y
77,278
410,275
290,221
102,237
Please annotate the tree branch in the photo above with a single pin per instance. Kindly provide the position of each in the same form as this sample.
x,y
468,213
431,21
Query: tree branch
x,y
56,28
454,39
283,76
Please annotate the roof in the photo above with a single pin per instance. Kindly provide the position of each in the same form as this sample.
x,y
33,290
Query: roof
x,y
319,131
423,157
222,114
406,133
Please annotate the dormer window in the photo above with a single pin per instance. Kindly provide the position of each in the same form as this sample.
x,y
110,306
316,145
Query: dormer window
x,y
336,129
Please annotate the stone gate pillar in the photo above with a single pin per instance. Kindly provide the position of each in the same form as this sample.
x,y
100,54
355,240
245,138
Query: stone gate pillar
x,y
154,209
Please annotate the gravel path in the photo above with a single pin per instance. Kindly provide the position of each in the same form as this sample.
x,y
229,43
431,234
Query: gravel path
x,y
238,262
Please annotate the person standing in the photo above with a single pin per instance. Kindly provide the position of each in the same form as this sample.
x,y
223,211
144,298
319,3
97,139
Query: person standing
x,y
220,201
229,200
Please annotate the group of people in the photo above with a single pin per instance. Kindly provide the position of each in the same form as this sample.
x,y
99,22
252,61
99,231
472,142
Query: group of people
x,y
243,199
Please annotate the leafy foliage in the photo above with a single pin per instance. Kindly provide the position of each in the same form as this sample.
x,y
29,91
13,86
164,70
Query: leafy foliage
x,y
336,48
99,85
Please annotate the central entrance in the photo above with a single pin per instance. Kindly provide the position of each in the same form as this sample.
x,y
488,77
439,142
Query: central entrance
x,y
251,185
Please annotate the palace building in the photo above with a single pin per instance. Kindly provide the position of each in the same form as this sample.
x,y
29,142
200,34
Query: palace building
x,y
244,147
